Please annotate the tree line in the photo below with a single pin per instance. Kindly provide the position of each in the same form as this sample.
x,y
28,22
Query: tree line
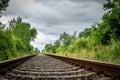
x,y
101,41
15,39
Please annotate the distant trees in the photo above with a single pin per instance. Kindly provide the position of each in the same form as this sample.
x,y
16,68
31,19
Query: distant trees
x,y
61,44
102,39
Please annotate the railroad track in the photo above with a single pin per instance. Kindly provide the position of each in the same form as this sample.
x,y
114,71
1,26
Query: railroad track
x,y
53,67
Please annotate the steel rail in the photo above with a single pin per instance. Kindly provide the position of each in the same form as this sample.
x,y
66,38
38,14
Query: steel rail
x,y
109,69
7,65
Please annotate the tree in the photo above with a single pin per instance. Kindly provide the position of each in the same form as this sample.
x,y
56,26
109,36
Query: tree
x,y
6,45
56,45
3,5
77,45
23,31
66,39
112,17
33,34
48,48
16,38
87,32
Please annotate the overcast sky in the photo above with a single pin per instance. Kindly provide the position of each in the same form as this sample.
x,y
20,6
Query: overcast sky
x,y
53,17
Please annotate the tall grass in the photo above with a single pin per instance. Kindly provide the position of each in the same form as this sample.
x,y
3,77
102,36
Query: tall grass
x,y
109,53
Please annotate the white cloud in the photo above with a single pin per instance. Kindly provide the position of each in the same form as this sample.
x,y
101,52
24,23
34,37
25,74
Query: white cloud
x,y
5,19
43,39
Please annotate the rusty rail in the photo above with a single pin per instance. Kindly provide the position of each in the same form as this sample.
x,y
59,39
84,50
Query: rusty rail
x,y
108,69
7,65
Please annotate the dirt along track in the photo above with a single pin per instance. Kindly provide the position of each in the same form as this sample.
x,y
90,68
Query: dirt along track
x,y
46,67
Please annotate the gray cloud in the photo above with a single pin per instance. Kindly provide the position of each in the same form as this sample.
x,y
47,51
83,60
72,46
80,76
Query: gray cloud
x,y
97,1
75,1
53,17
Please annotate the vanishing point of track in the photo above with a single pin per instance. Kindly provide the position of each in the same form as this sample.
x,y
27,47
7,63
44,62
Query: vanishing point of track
x,y
53,67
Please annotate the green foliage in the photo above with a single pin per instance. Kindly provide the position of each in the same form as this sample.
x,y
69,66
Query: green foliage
x,y
85,33
115,49
101,41
6,44
23,32
77,45
65,39
15,40
33,34
48,48
100,34
112,17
